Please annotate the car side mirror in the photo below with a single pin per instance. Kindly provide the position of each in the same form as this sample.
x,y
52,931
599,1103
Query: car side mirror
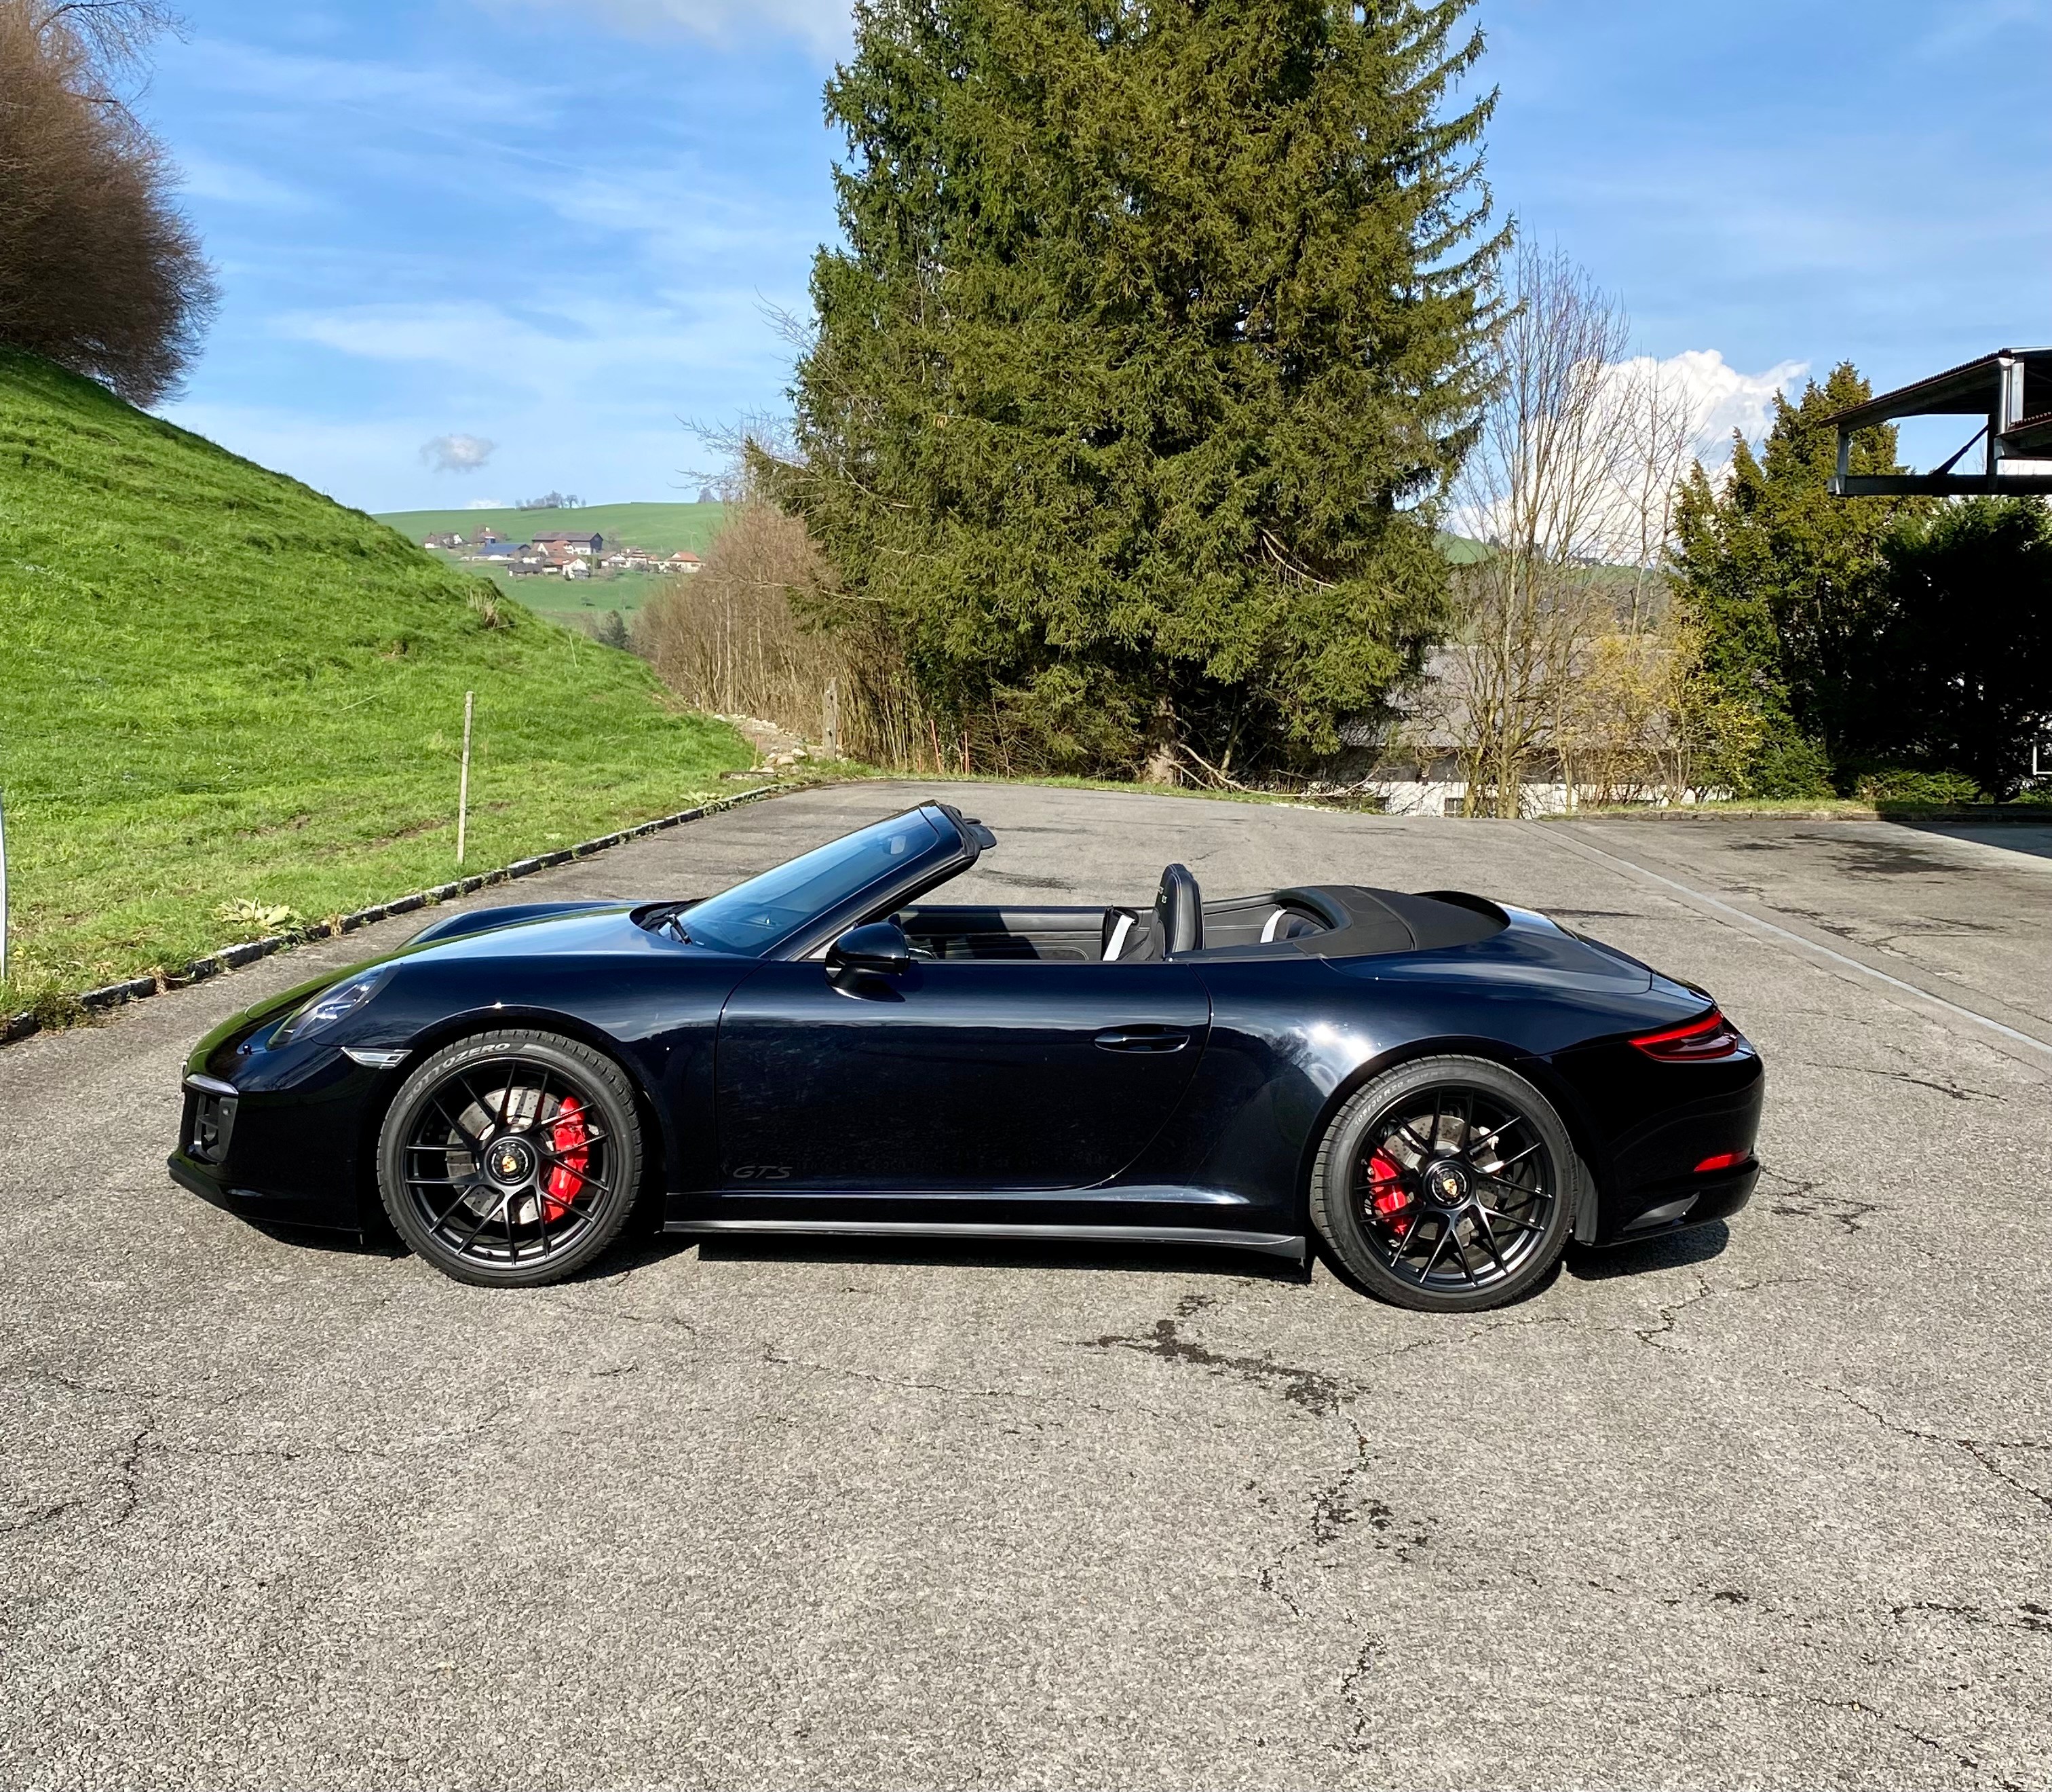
x,y
880,946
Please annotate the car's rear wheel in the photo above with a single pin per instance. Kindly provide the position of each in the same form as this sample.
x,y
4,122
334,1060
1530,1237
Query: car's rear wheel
x,y
1447,1184
512,1158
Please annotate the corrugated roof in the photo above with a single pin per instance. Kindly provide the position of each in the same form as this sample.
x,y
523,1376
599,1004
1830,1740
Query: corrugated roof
x,y
1971,390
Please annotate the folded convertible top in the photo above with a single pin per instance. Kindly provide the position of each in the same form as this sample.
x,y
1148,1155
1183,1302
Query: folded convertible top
x,y
1370,923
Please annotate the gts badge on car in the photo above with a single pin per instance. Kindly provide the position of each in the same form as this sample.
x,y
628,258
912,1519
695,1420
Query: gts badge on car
x,y
763,1172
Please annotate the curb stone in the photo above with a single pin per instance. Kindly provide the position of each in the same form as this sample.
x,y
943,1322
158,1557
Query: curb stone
x,y
135,989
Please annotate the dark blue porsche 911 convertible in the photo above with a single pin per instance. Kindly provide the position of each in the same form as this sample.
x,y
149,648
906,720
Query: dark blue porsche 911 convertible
x,y
1443,1089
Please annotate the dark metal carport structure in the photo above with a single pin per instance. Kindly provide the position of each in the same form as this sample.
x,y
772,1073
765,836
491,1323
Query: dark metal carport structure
x,y
2010,391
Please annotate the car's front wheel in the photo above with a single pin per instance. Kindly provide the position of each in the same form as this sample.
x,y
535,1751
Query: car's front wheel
x,y
511,1158
1447,1184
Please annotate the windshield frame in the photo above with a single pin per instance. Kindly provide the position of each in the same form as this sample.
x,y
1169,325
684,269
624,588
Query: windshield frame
x,y
954,849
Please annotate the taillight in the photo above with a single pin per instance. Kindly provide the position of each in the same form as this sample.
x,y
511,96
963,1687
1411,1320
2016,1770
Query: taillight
x,y
1713,1036
1724,1161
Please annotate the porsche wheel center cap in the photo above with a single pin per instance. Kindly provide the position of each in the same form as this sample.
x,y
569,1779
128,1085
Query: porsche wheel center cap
x,y
1447,1184
509,1162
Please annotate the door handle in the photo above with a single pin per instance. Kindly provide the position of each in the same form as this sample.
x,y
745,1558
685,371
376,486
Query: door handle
x,y
1143,1038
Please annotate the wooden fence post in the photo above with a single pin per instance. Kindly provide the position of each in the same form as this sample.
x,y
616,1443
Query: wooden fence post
x,y
463,782
830,720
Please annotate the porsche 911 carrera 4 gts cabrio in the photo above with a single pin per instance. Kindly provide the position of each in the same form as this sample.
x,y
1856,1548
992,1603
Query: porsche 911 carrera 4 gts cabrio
x,y
1443,1089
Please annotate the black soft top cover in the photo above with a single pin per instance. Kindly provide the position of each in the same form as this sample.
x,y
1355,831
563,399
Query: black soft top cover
x,y
1366,923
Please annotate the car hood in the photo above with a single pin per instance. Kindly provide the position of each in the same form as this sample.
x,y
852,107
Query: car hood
x,y
544,929
509,914
521,930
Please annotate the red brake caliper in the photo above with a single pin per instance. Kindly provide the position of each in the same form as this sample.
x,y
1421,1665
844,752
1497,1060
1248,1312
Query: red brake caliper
x,y
1387,1196
570,1142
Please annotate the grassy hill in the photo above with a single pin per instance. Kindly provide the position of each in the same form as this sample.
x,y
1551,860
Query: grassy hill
x,y
217,686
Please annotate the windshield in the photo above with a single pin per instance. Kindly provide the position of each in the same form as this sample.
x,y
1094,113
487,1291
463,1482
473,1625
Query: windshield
x,y
753,916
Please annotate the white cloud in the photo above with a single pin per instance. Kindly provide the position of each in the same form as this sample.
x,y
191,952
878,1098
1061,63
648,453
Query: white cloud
x,y
565,350
582,394
1611,498
456,453
418,95
233,183
822,25
725,225
1721,399
1969,24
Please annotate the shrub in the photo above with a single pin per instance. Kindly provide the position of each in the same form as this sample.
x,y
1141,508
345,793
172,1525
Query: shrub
x,y
1903,786
743,637
99,271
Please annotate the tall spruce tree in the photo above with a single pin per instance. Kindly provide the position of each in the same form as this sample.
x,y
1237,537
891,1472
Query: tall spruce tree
x,y
1154,338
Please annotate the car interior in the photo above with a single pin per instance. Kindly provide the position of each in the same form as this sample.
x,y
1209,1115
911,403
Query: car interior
x,y
1336,922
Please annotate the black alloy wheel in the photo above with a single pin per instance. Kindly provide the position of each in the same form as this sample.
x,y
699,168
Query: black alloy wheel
x,y
1449,1183
511,1158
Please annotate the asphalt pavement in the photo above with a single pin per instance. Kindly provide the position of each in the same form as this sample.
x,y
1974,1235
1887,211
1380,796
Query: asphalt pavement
x,y
1767,1505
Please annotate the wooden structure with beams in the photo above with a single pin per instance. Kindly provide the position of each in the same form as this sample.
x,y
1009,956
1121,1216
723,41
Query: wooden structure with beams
x,y
2010,391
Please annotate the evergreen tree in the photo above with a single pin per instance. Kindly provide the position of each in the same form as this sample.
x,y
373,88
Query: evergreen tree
x,y
1961,666
1786,585
1155,337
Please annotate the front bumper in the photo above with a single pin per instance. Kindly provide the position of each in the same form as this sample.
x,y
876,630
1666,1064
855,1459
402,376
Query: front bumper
x,y
316,1212
291,1146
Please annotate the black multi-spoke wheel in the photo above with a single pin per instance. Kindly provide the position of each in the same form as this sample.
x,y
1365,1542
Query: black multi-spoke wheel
x,y
511,1157
1448,1184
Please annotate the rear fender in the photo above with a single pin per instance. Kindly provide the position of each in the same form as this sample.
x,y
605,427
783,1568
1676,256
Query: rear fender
x,y
1596,1166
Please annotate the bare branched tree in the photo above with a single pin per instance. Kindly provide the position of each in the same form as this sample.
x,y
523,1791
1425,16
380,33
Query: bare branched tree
x,y
1661,419
1560,669
1554,446
1540,488
99,272
113,37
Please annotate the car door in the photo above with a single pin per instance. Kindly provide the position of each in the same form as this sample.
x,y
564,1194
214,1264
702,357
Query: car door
x,y
956,1075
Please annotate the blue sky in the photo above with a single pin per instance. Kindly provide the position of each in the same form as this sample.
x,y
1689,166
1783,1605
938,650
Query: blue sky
x,y
553,226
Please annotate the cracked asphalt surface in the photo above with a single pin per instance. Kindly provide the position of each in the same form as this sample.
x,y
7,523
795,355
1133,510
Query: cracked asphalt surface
x,y
1767,1505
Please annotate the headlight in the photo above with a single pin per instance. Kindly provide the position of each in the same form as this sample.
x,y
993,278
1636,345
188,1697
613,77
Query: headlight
x,y
327,1005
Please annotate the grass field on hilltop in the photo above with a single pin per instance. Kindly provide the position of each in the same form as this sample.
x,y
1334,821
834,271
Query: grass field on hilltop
x,y
660,528
217,686
563,598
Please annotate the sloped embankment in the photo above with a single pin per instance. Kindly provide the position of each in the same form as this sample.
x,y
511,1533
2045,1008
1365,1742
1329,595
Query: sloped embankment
x,y
217,686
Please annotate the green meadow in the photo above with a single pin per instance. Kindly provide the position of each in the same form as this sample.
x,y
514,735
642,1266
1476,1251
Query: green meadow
x,y
222,694
659,528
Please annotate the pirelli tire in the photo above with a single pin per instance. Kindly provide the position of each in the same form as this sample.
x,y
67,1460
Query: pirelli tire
x,y
512,1158
1449,1185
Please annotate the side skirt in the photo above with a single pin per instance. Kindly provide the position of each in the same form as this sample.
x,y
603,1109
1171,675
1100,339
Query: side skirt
x,y
1287,1244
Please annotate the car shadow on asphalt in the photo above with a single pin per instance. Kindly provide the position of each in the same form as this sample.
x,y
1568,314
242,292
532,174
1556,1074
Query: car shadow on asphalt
x,y
1675,1250
1079,1255
366,1243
